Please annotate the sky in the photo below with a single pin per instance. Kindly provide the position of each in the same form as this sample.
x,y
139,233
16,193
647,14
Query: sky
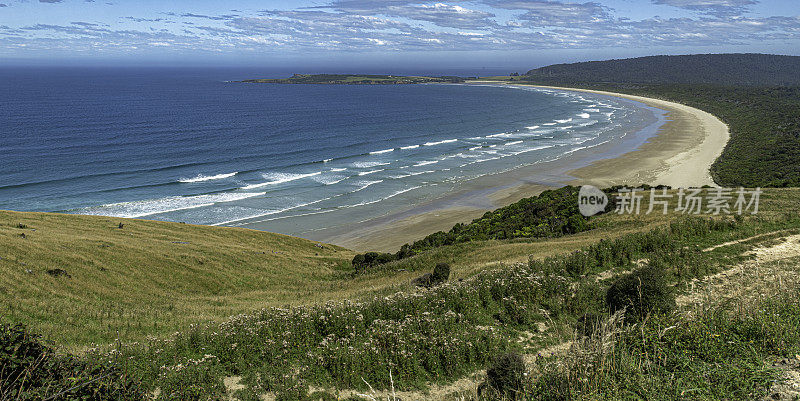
x,y
371,34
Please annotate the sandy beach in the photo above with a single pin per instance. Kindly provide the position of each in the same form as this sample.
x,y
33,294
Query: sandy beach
x,y
679,155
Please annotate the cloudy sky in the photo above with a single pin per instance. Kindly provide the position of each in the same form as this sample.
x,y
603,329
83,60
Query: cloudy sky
x,y
494,33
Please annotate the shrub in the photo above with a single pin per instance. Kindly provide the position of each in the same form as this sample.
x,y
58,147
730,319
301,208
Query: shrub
x,y
31,370
425,280
579,262
506,375
361,262
441,272
644,291
588,297
575,224
58,273
440,275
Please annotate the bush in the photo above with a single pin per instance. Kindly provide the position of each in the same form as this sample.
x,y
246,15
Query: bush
x,y
575,224
506,375
31,370
440,275
361,262
644,291
441,272
588,297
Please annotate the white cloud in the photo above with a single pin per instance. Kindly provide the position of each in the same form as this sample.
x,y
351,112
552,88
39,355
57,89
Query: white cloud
x,y
718,8
372,25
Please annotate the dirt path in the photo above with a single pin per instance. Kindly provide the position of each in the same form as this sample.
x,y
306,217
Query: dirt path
x,y
462,389
739,241
772,268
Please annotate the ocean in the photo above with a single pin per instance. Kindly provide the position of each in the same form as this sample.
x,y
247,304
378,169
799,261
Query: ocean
x,y
190,146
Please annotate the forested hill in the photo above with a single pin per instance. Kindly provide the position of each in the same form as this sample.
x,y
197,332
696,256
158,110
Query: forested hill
x,y
757,95
721,69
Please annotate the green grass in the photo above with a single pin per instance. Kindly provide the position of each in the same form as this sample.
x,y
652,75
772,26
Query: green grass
x,y
143,280
333,328
152,278
432,336
719,355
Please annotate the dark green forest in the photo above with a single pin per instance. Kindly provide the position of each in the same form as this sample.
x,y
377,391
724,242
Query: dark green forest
x,y
763,113
717,69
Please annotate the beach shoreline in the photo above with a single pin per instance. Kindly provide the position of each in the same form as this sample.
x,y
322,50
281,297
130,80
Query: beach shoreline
x,y
680,154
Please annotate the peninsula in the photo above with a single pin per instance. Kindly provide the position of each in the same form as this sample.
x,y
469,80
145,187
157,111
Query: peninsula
x,y
355,79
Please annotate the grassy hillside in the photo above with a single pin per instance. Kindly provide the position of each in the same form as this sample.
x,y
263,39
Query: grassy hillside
x,y
147,279
155,278
419,339
719,69
151,278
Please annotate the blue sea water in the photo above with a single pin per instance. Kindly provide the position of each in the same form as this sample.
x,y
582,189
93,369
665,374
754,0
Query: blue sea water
x,y
187,145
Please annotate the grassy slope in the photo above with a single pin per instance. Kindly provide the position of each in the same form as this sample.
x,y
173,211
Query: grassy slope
x,y
436,336
151,277
137,281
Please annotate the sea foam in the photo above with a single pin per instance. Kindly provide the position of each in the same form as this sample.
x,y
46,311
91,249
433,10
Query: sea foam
x,y
135,209
202,178
425,163
280,178
369,164
440,142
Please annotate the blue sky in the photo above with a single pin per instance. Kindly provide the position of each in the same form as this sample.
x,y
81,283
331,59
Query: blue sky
x,y
442,34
